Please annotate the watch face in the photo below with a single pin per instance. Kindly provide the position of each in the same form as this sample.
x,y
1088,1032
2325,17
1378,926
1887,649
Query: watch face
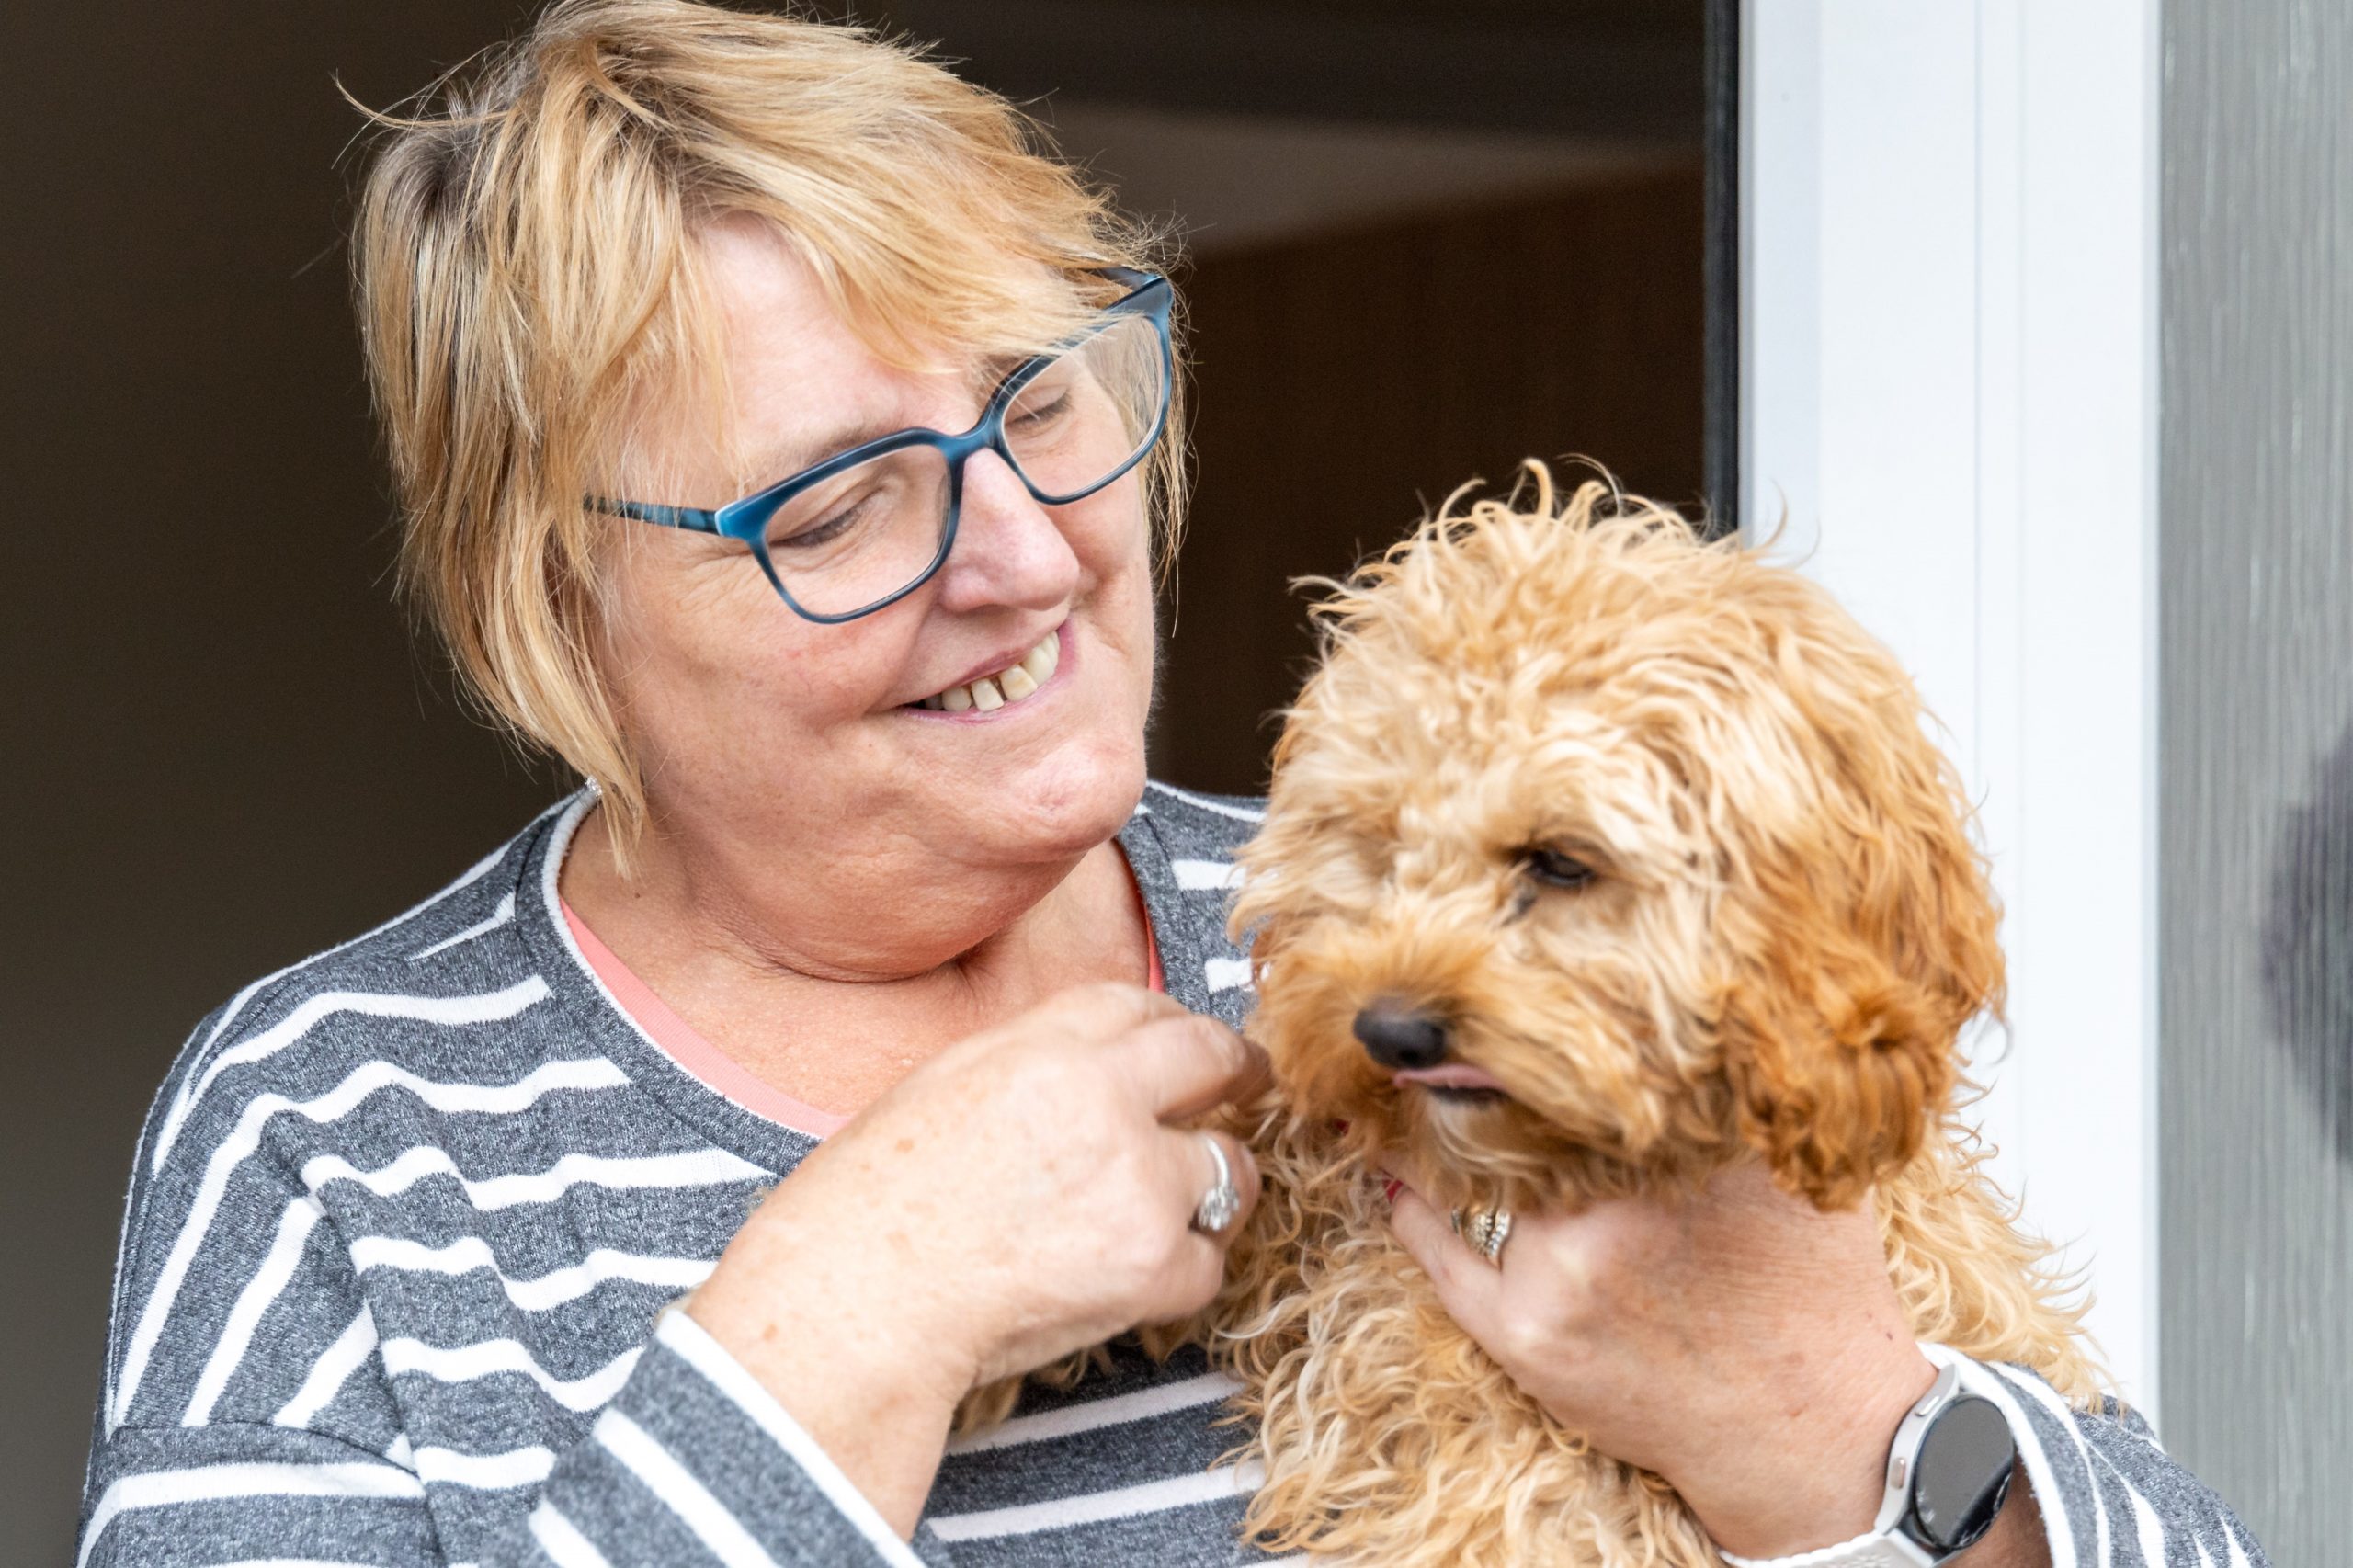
x,y
1961,1473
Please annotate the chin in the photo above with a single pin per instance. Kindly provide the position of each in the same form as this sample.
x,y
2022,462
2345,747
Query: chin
x,y
1066,803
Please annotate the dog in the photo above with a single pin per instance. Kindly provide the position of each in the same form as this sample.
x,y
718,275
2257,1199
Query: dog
x,y
1655,828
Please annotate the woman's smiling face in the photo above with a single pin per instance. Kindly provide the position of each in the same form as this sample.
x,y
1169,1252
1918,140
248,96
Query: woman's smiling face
x,y
808,749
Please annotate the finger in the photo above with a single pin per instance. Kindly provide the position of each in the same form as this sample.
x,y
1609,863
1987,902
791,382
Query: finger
x,y
1201,1175
1196,1268
1108,1007
1468,1285
1197,1273
1185,1066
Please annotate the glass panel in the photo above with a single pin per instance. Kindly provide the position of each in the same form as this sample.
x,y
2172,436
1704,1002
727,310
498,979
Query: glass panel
x,y
861,535
1078,420
2255,780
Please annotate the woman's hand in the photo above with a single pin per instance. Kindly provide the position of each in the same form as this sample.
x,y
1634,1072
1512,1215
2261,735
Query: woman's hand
x,y
1743,1346
1019,1197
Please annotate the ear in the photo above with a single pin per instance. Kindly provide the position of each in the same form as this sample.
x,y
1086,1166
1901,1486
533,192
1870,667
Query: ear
x,y
1857,960
1834,1061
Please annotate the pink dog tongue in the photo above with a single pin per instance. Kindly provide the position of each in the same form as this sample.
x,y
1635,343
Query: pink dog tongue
x,y
1450,1078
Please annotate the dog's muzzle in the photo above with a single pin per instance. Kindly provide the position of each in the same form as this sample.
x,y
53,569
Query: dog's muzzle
x,y
1400,1038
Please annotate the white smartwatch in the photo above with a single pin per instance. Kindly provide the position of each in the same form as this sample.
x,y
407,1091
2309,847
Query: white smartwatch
x,y
1947,1473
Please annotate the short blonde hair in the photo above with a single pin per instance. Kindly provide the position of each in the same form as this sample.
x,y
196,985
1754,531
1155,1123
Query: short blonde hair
x,y
528,276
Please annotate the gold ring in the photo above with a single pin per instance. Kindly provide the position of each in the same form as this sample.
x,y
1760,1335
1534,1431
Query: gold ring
x,y
1485,1229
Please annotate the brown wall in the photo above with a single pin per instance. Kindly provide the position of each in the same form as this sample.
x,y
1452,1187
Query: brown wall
x,y
219,751
1344,382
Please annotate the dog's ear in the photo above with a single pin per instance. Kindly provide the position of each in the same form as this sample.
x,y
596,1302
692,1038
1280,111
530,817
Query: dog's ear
x,y
1862,943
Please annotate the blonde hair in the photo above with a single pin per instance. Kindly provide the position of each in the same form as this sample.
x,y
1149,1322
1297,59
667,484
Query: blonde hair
x,y
527,278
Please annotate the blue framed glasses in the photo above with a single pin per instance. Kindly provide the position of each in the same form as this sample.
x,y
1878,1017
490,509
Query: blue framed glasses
x,y
865,528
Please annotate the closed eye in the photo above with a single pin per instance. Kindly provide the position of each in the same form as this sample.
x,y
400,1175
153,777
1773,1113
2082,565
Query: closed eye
x,y
826,532
1042,416
1556,869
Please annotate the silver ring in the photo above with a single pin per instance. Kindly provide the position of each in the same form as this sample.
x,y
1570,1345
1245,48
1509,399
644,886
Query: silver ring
x,y
1223,1201
1485,1229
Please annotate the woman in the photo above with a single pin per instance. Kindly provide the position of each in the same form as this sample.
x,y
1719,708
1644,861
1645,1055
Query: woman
x,y
868,891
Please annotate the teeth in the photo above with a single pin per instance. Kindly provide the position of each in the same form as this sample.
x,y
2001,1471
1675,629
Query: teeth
x,y
1011,684
1041,660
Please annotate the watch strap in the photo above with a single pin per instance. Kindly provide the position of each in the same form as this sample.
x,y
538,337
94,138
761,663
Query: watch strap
x,y
1872,1549
1886,1544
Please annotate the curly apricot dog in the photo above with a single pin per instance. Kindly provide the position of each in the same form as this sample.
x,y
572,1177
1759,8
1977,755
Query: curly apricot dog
x,y
1653,826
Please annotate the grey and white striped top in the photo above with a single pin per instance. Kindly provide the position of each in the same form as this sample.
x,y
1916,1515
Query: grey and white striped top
x,y
405,1214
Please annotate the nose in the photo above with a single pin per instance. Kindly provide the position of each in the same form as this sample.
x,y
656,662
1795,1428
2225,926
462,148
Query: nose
x,y
1400,1038
1010,550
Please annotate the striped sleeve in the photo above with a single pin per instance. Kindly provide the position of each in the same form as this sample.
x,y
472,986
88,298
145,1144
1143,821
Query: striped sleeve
x,y
2111,1495
252,1412
691,1462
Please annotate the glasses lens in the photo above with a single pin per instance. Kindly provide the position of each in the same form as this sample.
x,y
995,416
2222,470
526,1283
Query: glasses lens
x,y
857,537
1090,411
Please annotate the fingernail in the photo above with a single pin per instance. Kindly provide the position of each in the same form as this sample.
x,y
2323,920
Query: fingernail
x,y
1390,1188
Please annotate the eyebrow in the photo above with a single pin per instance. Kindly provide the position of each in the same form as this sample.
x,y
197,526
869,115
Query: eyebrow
x,y
784,459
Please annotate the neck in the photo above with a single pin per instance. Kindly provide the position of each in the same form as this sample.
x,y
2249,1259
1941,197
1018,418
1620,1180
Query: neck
x,y
794,964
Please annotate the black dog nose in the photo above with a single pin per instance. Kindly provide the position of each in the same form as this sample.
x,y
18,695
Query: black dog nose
x,y
1401,1039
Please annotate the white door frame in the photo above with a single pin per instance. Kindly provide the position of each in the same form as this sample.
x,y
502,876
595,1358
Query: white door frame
x,y
1949,313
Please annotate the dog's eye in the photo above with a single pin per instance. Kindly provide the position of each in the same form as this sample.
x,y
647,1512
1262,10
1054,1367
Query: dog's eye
x,y
1558,870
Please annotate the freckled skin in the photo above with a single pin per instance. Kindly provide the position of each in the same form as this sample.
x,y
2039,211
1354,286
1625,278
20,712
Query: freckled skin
x,y
776,726
792,795
919,922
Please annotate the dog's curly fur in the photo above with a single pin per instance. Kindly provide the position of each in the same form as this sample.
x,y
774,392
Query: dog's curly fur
x,y
1786,931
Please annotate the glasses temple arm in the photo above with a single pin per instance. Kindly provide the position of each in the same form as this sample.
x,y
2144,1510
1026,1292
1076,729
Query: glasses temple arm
x,y
694,520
